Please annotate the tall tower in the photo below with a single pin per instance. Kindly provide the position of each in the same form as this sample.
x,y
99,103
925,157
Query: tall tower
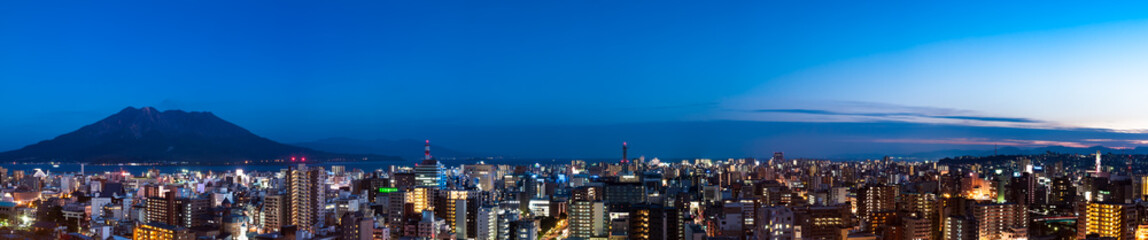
x,y
1097,161
426,154
624,149
429,173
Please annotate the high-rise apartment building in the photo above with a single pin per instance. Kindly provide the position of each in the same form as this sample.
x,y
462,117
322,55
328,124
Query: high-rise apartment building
x,y
994,219
487,223
872,200
654,222
178,211
161,231
776,223
588,218
274,212
306,192
1108,220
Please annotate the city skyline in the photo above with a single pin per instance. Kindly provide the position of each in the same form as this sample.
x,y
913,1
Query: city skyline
x,y
390,70
573,120
1013,197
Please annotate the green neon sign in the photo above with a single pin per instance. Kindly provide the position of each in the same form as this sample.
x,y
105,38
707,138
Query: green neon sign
x,y
388,190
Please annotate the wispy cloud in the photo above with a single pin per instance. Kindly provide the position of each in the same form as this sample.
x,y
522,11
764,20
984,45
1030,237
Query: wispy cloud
x,y
984,141
791,110
900,114
1125,141
1054,68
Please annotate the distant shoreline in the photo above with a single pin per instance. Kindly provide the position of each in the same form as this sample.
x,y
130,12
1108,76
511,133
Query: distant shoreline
x,y
163,164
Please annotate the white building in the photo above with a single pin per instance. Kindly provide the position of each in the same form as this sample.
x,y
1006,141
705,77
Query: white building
x,y
776,223
540,207
486,223
588,219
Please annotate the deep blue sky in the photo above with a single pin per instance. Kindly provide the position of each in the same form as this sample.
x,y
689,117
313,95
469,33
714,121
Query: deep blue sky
x,y
304,70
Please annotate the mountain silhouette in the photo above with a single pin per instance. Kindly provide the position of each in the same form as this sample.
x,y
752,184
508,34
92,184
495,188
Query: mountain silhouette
x,y
149,135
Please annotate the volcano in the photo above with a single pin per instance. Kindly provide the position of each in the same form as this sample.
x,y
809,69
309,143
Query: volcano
x,y
146,135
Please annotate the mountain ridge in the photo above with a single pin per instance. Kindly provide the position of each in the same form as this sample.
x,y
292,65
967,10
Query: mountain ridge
x,y
149,135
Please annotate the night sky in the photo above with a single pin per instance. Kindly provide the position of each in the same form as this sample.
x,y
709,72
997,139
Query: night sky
x,y
484,76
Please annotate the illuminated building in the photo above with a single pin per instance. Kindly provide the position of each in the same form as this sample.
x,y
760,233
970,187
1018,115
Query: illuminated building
x,y
429,173
160,231
306,195
1107,220
654,222
1142,232
539,207
880,221
274,212
994,219
1063,192
178,211
373,186
192,212
526,229
1022,189
428,227
588,219
506,223
1115,190
356,227
420,199
483,174
823,222
917,227
344,205
873,199
958,228
922,206
160,210
451,205
974,187
403,180
838,195
776,223
588,213
487,223
588,193
624,192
